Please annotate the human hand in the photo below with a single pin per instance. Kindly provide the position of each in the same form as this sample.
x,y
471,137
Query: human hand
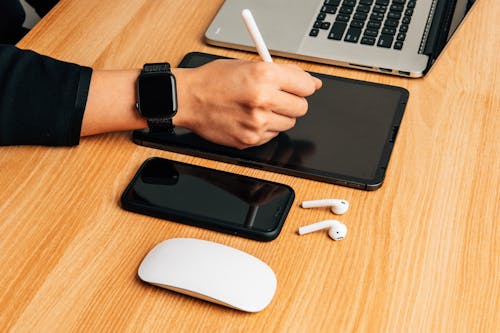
x,y
240,103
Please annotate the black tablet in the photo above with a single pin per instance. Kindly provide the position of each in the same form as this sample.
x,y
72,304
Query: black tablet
x,y
346,138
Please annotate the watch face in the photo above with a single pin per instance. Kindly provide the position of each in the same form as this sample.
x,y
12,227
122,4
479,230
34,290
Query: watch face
x,y
157,97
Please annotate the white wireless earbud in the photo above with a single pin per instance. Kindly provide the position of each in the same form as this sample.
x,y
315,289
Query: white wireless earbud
x,y
337,206
337,230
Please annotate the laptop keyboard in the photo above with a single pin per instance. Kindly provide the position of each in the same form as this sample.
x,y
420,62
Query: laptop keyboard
x,y
383,23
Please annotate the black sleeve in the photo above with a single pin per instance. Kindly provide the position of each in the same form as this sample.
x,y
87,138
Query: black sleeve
x,y
42,7
42,100
12,17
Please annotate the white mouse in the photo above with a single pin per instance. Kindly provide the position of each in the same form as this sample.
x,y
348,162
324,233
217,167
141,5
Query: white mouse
x,y
210,271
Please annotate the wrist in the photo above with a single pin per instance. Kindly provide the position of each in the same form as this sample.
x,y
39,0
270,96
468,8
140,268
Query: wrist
x,y
111,103
185,98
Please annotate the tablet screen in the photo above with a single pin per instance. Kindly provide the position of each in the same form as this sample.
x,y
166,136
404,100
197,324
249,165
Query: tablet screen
x,y
345,138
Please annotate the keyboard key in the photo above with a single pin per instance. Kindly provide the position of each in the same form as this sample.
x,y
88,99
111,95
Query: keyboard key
x,y
366,2
337,31
411,4
403,28
394,15
360,16
329,9
352,35
382,2
371,33
325,25
379,8
314,32
389,31
332,2
368,40
402,2
385,41
398,45
409,12
376,17
401,36
363,8
374,24
406,20
357,24
350,3
391,23
345,10
343,18
396,8
317,24
321,17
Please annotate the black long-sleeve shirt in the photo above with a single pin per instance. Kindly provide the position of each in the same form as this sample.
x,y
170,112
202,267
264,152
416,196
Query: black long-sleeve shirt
x,y
41,99
12,17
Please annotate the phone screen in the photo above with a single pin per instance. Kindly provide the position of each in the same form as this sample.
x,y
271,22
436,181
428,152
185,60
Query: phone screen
x,y
209,198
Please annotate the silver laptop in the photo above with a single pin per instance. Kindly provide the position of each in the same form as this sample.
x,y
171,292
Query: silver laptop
x,y
401,37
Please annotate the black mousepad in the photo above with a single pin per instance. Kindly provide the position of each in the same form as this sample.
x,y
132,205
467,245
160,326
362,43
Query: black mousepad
x,y
346,138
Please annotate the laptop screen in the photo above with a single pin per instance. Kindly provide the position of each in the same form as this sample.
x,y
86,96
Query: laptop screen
x,y
447,18
461,9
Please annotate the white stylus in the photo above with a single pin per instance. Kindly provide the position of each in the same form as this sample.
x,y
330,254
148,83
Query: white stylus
x,y
252,28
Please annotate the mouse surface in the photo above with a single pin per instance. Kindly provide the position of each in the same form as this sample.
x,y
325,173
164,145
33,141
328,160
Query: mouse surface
x,y
210,271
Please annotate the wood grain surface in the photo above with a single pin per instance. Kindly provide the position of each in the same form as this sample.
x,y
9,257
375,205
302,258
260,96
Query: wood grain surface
x,y
422,254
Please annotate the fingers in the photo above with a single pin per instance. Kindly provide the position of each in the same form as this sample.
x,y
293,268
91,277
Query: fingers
x,y
291,84
268,136
288,105
262,127
248,138
295,80
279,123
285,77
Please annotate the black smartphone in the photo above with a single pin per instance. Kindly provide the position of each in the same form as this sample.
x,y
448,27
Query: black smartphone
x,y
208,198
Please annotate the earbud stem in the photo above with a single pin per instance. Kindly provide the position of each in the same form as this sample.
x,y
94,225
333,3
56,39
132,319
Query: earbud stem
x,y
318,203
316,226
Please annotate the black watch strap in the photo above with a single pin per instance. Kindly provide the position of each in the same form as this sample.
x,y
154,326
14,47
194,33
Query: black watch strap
x,y
161,125
163,67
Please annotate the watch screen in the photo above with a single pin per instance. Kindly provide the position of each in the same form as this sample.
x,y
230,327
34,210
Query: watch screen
x,y
156,95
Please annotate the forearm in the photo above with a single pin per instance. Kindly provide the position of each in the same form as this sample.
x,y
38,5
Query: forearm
x,y
112,98
111,103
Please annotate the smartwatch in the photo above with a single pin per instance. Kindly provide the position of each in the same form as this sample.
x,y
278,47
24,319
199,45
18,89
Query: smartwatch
x,y
157,96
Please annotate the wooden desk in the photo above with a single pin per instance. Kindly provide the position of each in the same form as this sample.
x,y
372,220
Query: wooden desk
x,y
422,254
